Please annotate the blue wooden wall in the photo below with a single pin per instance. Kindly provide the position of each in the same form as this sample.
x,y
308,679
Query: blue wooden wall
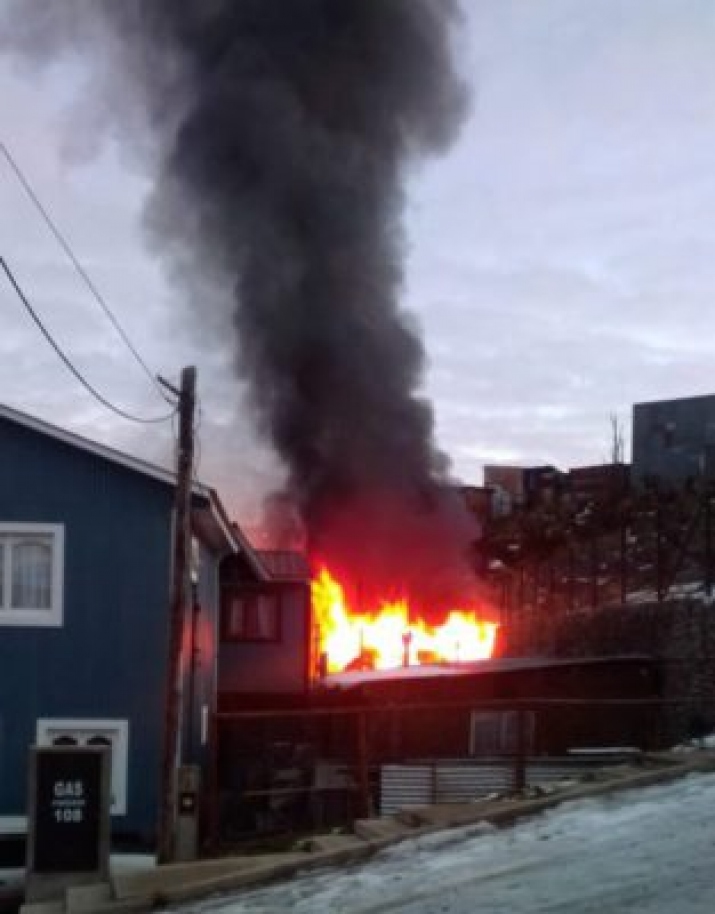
x,y
108,658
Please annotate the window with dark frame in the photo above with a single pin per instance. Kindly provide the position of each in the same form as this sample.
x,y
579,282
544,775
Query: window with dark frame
x,y
251,616
494,733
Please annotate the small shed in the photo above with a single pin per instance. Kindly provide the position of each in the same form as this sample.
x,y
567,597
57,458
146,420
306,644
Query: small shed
x,y
310,760
466,710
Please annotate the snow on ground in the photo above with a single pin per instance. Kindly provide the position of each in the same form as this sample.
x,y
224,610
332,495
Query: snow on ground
x,y
643,852
694,590
695,745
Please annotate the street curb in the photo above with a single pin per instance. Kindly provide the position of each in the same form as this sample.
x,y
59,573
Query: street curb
x,y
463,816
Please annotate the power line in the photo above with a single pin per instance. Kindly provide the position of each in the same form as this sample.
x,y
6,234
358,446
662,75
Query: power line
x,y
68,364
84,275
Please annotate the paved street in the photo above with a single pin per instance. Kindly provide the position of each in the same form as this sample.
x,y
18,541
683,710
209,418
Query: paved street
x,y
646,852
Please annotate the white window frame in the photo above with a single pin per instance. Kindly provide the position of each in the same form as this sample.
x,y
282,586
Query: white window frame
x,y
13,825
52,616
116,729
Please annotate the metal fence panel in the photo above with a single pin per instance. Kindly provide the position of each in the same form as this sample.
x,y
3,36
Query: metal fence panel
x,y
404,786
423,783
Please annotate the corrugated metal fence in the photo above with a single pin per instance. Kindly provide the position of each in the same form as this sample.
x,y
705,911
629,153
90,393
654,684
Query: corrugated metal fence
x,y
446,781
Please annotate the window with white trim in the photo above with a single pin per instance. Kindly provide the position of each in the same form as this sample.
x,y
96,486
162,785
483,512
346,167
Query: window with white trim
x,y
31,574
80,732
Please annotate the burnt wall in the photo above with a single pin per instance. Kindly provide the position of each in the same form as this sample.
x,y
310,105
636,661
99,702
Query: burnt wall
x,y
679,635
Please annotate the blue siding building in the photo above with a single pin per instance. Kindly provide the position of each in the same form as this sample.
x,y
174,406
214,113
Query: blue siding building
x,y
85,568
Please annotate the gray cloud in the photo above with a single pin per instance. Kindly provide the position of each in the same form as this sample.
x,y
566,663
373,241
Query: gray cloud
x,y
560,256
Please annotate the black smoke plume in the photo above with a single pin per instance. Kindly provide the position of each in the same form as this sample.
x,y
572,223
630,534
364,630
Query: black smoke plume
x,y
283,131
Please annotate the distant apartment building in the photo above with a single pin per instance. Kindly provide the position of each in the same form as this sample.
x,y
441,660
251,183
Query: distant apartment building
x,y
600,483
479,500
524,486
674,440
508,481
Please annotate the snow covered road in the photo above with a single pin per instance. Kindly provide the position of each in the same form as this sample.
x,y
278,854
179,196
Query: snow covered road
x,y
643,852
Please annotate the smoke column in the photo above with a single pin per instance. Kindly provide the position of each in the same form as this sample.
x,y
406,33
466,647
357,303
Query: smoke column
x,y
282,132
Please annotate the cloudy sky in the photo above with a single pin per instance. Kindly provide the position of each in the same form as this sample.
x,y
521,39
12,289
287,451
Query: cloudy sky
x,y
559,266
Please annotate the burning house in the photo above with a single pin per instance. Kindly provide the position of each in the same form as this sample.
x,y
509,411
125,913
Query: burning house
x,y
283,635
287,642
325,701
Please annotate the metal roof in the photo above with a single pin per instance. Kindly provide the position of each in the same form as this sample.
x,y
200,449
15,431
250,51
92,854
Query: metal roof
x,y
285,565
483,667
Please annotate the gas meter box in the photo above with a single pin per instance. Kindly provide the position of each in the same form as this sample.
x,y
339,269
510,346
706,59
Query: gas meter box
x,y
69,818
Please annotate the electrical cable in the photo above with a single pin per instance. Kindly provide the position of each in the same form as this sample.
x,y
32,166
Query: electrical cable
x,y
69,253
65,359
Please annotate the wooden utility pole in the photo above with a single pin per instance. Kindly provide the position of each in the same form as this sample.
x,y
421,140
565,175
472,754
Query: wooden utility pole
x,y
180,603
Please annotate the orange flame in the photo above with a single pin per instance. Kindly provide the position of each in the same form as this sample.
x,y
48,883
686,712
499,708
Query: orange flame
x,y
388,637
